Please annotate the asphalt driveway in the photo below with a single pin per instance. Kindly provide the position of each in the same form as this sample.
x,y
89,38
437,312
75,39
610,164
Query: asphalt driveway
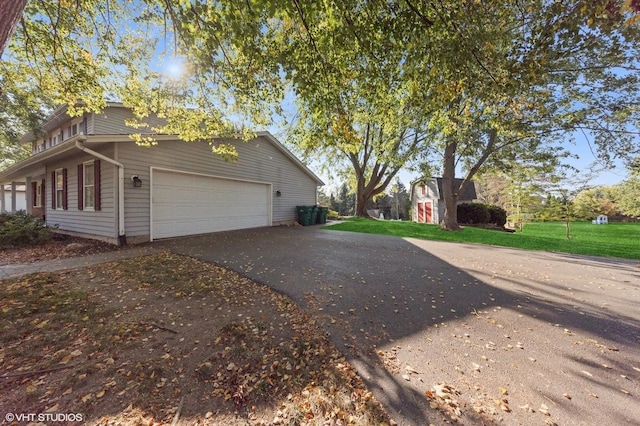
x,y
440,330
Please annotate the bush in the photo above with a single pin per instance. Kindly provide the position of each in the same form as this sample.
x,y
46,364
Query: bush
x,y
497,215
332,214
473,213
21,229
478,213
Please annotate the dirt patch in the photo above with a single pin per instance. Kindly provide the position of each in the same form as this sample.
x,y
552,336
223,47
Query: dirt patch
x,y
165,337
59,247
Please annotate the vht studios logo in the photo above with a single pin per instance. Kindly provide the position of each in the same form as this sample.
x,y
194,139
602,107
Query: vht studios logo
x,y
43,417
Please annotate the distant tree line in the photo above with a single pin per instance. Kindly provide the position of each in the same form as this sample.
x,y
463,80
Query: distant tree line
x,y
394,203
537,201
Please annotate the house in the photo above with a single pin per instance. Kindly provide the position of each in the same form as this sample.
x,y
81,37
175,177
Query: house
x,y
88,177
20,203
427,201
601,220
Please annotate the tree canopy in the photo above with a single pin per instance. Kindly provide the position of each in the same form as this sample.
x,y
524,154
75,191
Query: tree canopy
x,y
468,84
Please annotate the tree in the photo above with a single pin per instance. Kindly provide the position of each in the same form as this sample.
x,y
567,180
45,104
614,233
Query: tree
x,y
94,51
323,198
12,12
356,107
399,201
627,193
628,197
530,79
595,201
482,82
564,191
347,201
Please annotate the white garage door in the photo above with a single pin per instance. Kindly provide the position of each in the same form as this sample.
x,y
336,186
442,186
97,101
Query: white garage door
x,y
188,204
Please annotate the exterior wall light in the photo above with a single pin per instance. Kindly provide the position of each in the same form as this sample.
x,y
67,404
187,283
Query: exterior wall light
x,y
137,183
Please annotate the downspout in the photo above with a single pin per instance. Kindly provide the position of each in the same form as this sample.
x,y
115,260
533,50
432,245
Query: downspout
x,y
122,238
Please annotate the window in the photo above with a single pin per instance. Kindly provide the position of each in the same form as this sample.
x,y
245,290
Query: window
x,y
59,189
59,182
89,185
74,130
424,189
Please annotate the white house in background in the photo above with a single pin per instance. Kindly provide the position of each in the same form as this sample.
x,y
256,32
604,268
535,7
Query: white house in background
x,y
21,200
427,201
600,220
88,177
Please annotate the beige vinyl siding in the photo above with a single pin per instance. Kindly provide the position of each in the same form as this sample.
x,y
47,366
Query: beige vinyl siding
x,y
103,222
112,122
258,160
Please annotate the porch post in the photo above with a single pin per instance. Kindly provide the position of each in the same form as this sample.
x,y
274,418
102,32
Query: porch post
x,y
29,196
13,197
3,202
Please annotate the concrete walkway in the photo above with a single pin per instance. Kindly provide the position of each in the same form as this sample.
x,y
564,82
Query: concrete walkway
x,y
17,270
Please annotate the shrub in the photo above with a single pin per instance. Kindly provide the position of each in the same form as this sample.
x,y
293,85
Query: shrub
x,y
473,213
332,214
497,215
21,229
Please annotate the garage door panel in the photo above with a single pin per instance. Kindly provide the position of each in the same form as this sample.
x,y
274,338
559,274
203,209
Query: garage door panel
x,y
185,204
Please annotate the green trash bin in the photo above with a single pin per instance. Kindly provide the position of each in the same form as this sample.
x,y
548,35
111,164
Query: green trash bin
x,y
314,215
322,215
304,215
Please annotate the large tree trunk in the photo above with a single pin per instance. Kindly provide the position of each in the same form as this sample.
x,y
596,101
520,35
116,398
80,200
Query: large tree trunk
x,y
449,190
12,12
361,198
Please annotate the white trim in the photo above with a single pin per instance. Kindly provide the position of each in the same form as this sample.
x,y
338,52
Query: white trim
x,y
184,172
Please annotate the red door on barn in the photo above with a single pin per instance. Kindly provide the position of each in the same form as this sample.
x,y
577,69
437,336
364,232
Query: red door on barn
x,y
424,212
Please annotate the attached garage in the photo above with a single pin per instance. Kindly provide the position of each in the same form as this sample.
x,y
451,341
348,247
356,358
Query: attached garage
x,y
185,203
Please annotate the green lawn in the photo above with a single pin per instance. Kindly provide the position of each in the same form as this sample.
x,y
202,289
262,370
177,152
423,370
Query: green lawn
x,y
612,240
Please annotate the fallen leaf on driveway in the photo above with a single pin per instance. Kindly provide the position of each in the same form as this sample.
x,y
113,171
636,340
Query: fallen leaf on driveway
x,y
544,410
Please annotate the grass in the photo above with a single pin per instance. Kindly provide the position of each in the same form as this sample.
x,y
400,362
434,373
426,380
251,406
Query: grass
x,y
611,240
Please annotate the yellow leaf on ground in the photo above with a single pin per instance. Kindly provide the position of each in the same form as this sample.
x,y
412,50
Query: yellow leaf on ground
x,y
100,394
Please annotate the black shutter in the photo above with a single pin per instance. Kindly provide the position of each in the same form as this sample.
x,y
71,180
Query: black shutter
x,y
43,193
64,189
34,193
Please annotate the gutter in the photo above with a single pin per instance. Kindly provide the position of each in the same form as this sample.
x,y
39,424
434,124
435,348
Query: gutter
x,y
122,238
